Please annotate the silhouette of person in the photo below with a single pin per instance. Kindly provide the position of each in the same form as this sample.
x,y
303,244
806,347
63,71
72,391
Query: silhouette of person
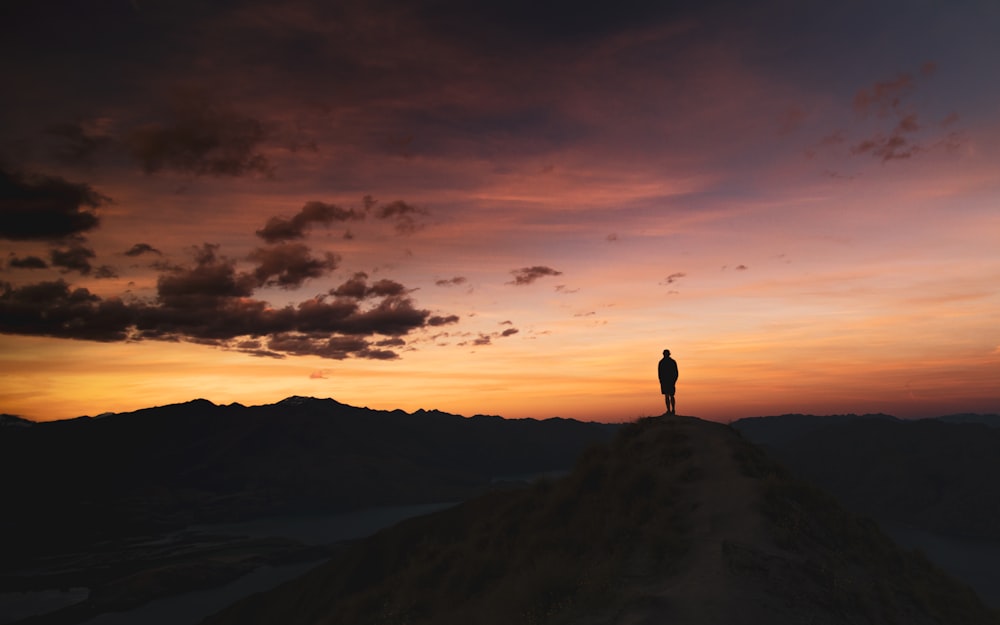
x,y
667,371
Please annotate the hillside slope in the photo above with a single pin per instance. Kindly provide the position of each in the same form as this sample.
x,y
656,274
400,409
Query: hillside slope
x,y
678,521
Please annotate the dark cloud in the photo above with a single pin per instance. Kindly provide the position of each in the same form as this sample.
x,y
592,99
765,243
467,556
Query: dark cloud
x,y
393,316
288,265
45,208
142,248
105,272
263,353
438,320
357,287
456,281
202,139
406,217
281,229
209,303
27,262
378,354
54,309
213,278
212,301
76,257
487,339
674,277
527,275
337,347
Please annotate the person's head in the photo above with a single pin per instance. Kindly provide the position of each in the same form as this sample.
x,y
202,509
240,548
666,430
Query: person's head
x,y
666,352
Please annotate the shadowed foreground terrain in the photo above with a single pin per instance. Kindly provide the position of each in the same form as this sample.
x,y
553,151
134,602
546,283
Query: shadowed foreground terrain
x,y
678,521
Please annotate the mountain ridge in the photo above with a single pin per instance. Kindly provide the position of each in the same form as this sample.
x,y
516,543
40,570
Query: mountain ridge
x,y
990,419
677,520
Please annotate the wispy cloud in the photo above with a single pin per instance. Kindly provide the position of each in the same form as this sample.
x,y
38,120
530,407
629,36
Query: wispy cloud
x,y
528,275
672,278
456,281
892,127
142,248
312,213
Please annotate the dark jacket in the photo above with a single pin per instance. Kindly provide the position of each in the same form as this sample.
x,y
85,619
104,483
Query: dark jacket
x,y
667,371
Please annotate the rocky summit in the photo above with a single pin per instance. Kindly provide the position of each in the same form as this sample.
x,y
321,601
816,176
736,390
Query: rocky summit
x,y
678,521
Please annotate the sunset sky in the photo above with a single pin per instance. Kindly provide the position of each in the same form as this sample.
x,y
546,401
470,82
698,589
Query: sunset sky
x,y
508,210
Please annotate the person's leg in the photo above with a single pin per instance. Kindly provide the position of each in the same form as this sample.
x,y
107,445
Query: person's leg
x,y
671,404
666,398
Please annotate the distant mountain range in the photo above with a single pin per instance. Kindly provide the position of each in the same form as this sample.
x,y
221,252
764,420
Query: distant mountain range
x,y
92,478
941,475
782,429
677,521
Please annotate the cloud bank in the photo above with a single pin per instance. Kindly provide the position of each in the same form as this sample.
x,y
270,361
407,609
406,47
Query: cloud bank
x,y
210,300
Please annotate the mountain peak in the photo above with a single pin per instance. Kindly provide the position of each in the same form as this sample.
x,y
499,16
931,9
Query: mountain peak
x,y
296,400
679,520
301,400
14,421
